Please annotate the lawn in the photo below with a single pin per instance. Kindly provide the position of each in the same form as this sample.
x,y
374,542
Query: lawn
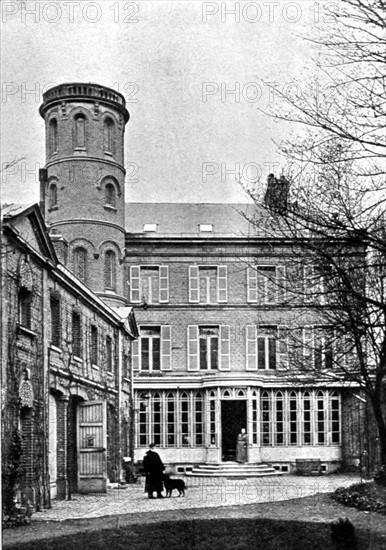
x,y
216,534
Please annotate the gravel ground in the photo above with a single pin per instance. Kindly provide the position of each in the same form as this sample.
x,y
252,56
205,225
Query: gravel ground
x,y
201,493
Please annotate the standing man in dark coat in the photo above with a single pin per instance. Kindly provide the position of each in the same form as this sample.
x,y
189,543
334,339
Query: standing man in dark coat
x,y
154,469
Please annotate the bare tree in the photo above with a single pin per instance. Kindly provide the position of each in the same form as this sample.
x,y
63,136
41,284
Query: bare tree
x,y
332,206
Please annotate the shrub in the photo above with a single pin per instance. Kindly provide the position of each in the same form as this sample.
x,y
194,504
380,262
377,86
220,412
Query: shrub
x,y
363,496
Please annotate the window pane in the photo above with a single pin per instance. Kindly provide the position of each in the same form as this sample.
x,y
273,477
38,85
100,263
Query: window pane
x,y
145,353
156,354
214,353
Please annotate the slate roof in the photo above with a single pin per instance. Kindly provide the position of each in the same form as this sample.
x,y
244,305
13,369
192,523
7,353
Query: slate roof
x,y
185,218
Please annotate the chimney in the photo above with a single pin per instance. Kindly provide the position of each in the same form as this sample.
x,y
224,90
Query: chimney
x,y
276,195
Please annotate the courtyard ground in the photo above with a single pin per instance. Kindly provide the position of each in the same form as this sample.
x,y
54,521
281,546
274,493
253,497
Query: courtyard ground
x,y
277,512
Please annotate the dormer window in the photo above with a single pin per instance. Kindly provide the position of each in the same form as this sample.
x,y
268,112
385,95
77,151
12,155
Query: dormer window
x,y
206,228
149,227
80,131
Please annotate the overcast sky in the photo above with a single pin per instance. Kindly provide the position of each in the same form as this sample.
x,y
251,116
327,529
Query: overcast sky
x,y
171,60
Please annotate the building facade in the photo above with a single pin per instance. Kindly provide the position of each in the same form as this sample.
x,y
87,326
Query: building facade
x,y
210,288
66,379
215,309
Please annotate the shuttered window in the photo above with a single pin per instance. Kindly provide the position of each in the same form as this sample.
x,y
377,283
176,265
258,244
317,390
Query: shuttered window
x,y
261,347
266,284
153,350
208,284
208,347
149,284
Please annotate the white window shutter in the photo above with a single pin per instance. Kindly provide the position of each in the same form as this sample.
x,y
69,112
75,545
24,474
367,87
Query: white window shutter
x,y
193,348
225,352
166,347
251,347
261,288
135,354
252,285
281,284
135,284
193,284
222,283
164,284
283,349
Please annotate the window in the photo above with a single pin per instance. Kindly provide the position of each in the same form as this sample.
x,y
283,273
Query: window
x,y
149,227
324,353
266,418
55,321
143,420
254,417
313,285
53,137
208,348
152,351
110,270
157,418
94,345
198,419
279,419
80,263
261,347
266,284
299,418
80,132
109,354
320,418
76,334
149,284
208,284
206,228
212,420
307,432
335,418
52,195
110,198
25,307
293,419
184,419
171,419
108,135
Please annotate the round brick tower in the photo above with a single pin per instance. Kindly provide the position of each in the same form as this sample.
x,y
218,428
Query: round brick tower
x,y
83,195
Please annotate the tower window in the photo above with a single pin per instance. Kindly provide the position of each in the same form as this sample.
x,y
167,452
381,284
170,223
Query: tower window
x,y
53,195
53,137
80,132
109,354
80,263
110,197
108,135
110,270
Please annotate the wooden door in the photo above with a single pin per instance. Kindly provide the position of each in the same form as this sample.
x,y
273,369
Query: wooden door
x,y
92,443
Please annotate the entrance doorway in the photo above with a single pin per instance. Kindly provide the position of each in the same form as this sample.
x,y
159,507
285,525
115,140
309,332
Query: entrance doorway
x,y
233,418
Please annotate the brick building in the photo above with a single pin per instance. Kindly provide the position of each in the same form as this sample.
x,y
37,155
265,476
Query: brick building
x,y
211,290
65,369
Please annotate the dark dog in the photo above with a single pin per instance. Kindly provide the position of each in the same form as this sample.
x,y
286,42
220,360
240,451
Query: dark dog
x,y
171,484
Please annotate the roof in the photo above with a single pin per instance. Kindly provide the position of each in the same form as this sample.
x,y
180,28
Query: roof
x,y
185,218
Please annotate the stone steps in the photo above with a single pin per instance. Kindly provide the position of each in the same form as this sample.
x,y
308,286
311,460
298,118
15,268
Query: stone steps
x,y
233,469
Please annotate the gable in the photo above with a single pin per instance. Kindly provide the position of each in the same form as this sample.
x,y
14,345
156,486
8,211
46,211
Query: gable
x,y
29,226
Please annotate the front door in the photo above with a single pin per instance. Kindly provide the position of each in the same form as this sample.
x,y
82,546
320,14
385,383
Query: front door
x,y
92,443
233,418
